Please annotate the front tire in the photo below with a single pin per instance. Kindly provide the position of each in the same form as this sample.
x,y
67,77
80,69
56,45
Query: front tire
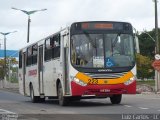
x,y
116,99
61,98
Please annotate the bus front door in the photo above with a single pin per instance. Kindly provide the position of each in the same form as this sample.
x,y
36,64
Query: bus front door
x,y
65,64
40,71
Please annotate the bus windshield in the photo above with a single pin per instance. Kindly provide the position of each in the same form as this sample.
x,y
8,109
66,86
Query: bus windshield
x,y
102,50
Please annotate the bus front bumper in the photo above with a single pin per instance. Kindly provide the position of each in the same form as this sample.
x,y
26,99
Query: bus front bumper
x,y
102,90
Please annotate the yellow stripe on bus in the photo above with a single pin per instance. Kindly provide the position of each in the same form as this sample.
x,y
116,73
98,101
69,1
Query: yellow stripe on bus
x,y
87,79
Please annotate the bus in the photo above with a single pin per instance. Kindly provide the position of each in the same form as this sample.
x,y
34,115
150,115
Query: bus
x,y
91,59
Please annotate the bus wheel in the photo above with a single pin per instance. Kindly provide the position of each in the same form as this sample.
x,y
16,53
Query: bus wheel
x,y
116,99
61,98
34,99
42,100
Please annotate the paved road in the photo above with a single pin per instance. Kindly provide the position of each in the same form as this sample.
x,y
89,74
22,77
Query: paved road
x,y
82,110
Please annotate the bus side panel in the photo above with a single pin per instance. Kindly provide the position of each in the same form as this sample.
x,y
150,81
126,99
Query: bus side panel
x,y
32,77
57,74
21,82
48,79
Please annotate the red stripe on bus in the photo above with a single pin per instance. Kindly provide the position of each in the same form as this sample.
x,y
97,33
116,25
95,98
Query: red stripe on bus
x,y
32,72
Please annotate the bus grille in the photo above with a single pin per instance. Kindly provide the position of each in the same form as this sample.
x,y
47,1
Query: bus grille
x,y
106,75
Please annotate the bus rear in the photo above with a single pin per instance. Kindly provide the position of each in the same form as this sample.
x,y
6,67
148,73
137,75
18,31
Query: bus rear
x,y
102,58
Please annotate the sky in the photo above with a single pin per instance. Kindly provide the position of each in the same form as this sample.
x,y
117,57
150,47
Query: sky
x,y
62,13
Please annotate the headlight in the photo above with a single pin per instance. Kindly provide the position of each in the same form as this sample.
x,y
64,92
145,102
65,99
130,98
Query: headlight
x,y
76,80
130,81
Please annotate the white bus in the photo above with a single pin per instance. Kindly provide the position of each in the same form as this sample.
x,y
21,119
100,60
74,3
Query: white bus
x,y
86,60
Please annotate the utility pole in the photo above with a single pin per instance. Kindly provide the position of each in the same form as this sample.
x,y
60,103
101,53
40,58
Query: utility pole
x,y
28,29
156,28
28,13
157,86
5,58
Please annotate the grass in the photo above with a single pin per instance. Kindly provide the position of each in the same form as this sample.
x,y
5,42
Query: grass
x,y
13,80
148,82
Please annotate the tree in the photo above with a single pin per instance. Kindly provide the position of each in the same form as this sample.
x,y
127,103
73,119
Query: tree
x,y
13,65
146,44
1,68
146,56
144,68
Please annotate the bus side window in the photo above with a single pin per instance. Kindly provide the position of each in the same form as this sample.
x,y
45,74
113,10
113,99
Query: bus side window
x,y
34,53
29,55
56,46
48,50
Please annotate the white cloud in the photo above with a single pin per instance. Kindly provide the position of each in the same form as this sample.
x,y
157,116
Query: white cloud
x,y
61,13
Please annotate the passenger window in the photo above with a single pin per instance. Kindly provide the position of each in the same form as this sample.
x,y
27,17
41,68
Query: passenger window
x,y
56,46
48,50
52,47
29,56
34,53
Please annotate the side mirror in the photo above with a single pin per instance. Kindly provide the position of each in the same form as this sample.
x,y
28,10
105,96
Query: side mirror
x,y
136,43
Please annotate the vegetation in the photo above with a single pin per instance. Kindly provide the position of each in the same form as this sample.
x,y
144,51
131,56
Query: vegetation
x,y
146,56
12,64
1,68
144,68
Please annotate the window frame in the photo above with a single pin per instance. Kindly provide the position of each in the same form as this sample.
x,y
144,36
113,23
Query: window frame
x,y
52,51
48,52
20,59
31,56
34,53
56,46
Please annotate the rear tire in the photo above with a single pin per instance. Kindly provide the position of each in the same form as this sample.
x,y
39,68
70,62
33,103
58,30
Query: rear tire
x,y
116,99
61,98
34,99
42,100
